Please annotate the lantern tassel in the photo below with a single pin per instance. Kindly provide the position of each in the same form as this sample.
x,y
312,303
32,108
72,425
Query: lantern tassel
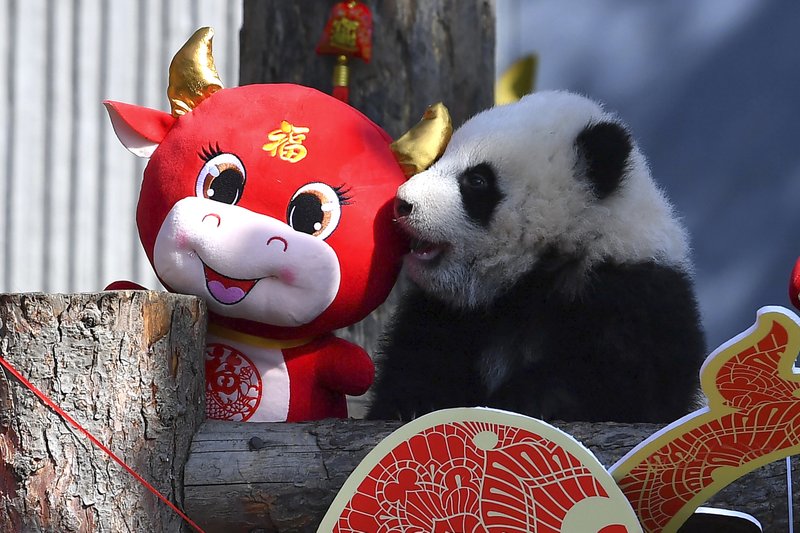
x,y
347,34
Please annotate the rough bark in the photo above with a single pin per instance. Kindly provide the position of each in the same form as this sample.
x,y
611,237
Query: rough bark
x,y
282,477
423,52
128,367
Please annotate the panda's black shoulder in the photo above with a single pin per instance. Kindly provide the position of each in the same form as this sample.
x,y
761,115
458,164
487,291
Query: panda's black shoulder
x,y
422,318
657,296
623,343
624,305
424,358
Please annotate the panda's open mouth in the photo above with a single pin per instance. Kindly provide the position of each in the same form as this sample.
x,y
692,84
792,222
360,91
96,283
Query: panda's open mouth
x,y
426,250
422,250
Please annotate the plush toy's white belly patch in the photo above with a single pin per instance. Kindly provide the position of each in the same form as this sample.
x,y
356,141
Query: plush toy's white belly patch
x,y
245,382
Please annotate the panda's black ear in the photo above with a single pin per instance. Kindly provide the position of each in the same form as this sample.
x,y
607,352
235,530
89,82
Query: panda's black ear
x,y
604,148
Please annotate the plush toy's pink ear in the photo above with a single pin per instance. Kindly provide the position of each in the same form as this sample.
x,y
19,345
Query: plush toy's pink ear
x,y
139,129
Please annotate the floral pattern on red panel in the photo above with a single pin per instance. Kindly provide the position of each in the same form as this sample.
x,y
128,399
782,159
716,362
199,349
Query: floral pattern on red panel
x,y
754,414
233,384
470,477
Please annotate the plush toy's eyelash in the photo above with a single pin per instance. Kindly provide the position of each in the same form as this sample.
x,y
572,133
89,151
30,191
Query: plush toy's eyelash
x,y
210,152
343,192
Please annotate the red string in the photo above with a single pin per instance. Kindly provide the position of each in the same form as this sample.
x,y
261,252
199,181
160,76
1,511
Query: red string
x,y
50,403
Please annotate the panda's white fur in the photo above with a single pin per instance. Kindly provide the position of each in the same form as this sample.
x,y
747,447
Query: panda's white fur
x,y
545,205
550,275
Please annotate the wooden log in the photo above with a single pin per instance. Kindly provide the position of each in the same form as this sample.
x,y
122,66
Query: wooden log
x,y
423,52
128,367
268,478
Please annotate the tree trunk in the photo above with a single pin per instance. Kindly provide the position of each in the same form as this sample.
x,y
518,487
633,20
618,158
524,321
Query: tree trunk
x,y
258,477
423,53
127,366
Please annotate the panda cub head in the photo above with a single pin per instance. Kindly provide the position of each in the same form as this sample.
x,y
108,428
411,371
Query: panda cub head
x,y
551,176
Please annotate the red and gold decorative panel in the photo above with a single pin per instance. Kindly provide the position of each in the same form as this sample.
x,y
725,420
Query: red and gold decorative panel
x,y
752,418
479,470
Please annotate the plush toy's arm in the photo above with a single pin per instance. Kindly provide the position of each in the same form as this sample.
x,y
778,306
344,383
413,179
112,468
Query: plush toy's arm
x,y
124,285
346,368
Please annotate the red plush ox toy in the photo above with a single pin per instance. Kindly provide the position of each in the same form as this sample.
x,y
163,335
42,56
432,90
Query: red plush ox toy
x,y
274,204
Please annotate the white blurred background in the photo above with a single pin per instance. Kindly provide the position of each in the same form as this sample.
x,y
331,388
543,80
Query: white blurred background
x,y
67,203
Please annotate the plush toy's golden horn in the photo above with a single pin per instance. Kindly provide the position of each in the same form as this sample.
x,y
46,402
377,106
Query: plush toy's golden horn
x,y
192,74
423,144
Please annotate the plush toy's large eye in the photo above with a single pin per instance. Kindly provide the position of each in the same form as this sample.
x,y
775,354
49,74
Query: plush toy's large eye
x,y
221,179
316,209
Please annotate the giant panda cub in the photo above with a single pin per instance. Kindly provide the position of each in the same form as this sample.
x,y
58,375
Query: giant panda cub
x,y
550,275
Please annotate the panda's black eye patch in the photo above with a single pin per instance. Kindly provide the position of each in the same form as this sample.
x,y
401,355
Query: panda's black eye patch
x,y
479,193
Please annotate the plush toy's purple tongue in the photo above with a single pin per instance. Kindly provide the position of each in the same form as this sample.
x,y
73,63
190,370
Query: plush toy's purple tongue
x,y
227,290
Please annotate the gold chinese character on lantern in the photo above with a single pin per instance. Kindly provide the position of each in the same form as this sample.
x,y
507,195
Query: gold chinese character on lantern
x,y
344,33
286,142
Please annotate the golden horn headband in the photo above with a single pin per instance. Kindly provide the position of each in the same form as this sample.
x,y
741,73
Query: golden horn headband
x,y
192,74
423,144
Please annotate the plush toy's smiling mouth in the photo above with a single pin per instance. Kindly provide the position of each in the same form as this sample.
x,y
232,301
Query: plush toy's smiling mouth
x,y
225,290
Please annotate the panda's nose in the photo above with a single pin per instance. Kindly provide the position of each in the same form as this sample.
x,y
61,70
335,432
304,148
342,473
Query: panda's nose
x,y
402,208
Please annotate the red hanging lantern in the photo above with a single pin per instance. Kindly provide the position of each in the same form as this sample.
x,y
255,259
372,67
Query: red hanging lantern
x,y
347,34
